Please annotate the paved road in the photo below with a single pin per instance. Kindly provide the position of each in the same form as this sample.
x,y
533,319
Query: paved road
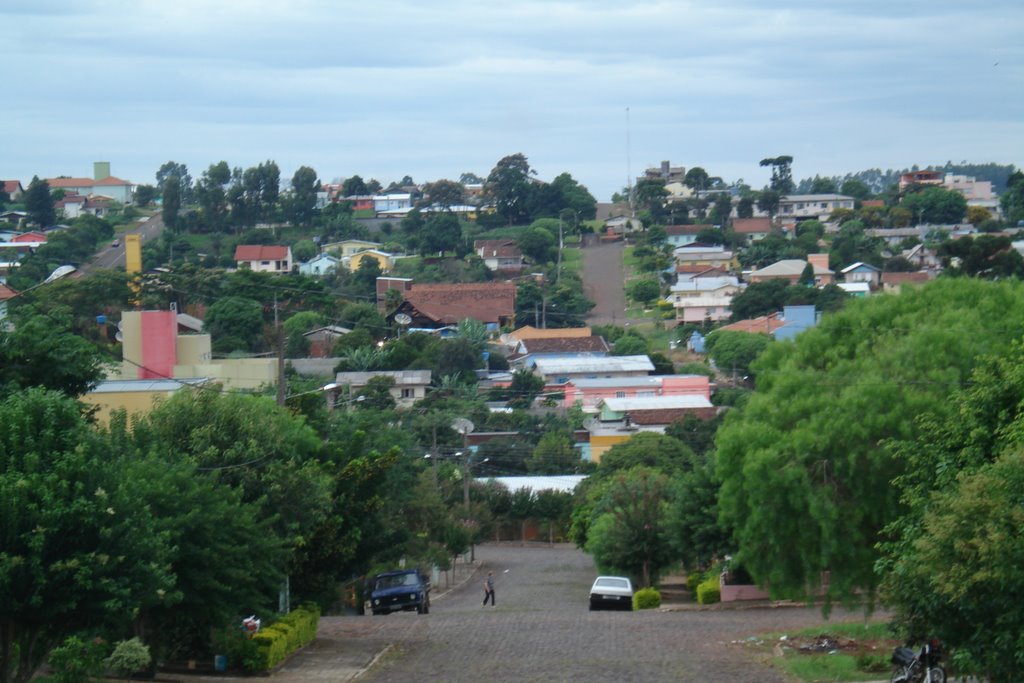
x,y
541,630
113,257
603,283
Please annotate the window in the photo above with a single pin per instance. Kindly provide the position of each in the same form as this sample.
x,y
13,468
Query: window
x,y
264,263
408,393
620,394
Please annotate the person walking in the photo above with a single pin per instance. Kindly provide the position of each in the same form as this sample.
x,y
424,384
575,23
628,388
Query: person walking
x,y
489,589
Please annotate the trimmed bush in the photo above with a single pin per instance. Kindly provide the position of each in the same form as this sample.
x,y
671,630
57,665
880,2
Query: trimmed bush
x,y
694,579
646,598
128,657
708,592
278,641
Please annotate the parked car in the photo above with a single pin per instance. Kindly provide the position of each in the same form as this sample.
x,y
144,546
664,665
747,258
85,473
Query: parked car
x,y
115,243
613,592
401,590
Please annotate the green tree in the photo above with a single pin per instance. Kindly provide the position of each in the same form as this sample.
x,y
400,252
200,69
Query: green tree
x,y
936,205
78,549
553,507
354,187
759,298
953,558
697,179
295,329
782,174
171,190
554,454
630,345
235,323
644,292
444,194
39,203
647,449
855,188
821,185
509,187
43,352
745,207
184,180
538,244
804,482
303,250
735,351
301,204
211,191
629,534
1012,201
441,232
376,395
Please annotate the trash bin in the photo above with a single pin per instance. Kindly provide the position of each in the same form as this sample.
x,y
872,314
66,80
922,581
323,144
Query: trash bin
x,y
220,662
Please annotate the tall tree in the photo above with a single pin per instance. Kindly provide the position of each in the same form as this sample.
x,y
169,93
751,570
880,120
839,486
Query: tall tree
x,y
180,171
441,232
509,187
936,205
629,533
782,174
171,190
353,187
697,179
444,194
302,202
804,482
39,203
212,194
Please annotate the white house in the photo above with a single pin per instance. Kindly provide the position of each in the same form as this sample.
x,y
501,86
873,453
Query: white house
x,y
701,298
816,206
264,258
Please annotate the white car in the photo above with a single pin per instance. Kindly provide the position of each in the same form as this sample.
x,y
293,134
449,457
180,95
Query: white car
x,y
615,592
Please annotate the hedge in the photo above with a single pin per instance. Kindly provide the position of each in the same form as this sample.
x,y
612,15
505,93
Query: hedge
x,y
646,598
694,579
295,630
708,592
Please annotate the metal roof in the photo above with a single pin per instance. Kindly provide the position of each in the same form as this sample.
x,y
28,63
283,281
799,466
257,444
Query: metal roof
x,y
566,483
620,405
551,366
129,385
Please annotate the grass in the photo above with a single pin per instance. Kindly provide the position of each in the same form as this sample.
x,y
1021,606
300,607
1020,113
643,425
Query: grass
x,y
572,260
861,653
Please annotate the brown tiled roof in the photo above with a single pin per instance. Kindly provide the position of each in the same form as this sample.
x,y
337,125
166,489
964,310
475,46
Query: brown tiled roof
x,y
748,226
11,186
6,292
259,252
69,182
766,324
450,303
111,180
30,237
873,203
900,278
567,344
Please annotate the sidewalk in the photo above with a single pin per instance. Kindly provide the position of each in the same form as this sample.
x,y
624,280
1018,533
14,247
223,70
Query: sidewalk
x,y
333,658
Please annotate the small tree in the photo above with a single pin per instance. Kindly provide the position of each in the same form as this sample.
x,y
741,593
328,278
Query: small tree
x,y
128,657
644,292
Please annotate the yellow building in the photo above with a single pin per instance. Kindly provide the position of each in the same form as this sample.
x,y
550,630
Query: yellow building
x,y
136,396
384,260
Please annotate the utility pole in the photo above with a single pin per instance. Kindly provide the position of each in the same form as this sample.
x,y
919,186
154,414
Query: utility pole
x,y
280,355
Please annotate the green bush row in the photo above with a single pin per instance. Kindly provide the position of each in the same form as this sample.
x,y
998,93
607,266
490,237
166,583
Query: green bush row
x,y
646,598
708,591
278,641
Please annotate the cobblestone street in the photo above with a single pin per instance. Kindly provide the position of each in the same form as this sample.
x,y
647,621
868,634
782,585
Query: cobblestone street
x,y
541,630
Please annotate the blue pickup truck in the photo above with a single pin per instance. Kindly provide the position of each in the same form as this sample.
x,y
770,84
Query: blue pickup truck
x,y
402,590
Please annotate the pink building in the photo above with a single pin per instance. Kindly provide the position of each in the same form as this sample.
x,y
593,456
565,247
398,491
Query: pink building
x,y
587,393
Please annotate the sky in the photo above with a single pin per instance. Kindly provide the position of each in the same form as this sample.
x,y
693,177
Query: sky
x,y
598,89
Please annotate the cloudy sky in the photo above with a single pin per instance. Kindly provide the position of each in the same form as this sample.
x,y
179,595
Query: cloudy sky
x,y
390,88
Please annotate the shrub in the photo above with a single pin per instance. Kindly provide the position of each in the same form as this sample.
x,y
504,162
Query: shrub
x,y
708,592
128,657
646,598
241,650
694,579
279,640
77,660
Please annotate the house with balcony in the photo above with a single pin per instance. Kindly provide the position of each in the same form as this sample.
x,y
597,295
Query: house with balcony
x,y
920,178
409,385
702,298
802,207
264,258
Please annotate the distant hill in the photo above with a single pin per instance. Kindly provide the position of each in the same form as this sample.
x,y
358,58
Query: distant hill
x,y
879,180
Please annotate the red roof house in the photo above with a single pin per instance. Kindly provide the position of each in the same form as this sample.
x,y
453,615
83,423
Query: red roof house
x,y
264,258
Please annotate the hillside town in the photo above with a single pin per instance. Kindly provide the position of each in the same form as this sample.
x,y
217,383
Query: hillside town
x,y
752,388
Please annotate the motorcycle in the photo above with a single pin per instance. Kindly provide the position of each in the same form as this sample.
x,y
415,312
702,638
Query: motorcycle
x,y
920,667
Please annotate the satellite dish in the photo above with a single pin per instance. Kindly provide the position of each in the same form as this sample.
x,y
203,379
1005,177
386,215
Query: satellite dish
x,y
119,336
463,426
403,319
